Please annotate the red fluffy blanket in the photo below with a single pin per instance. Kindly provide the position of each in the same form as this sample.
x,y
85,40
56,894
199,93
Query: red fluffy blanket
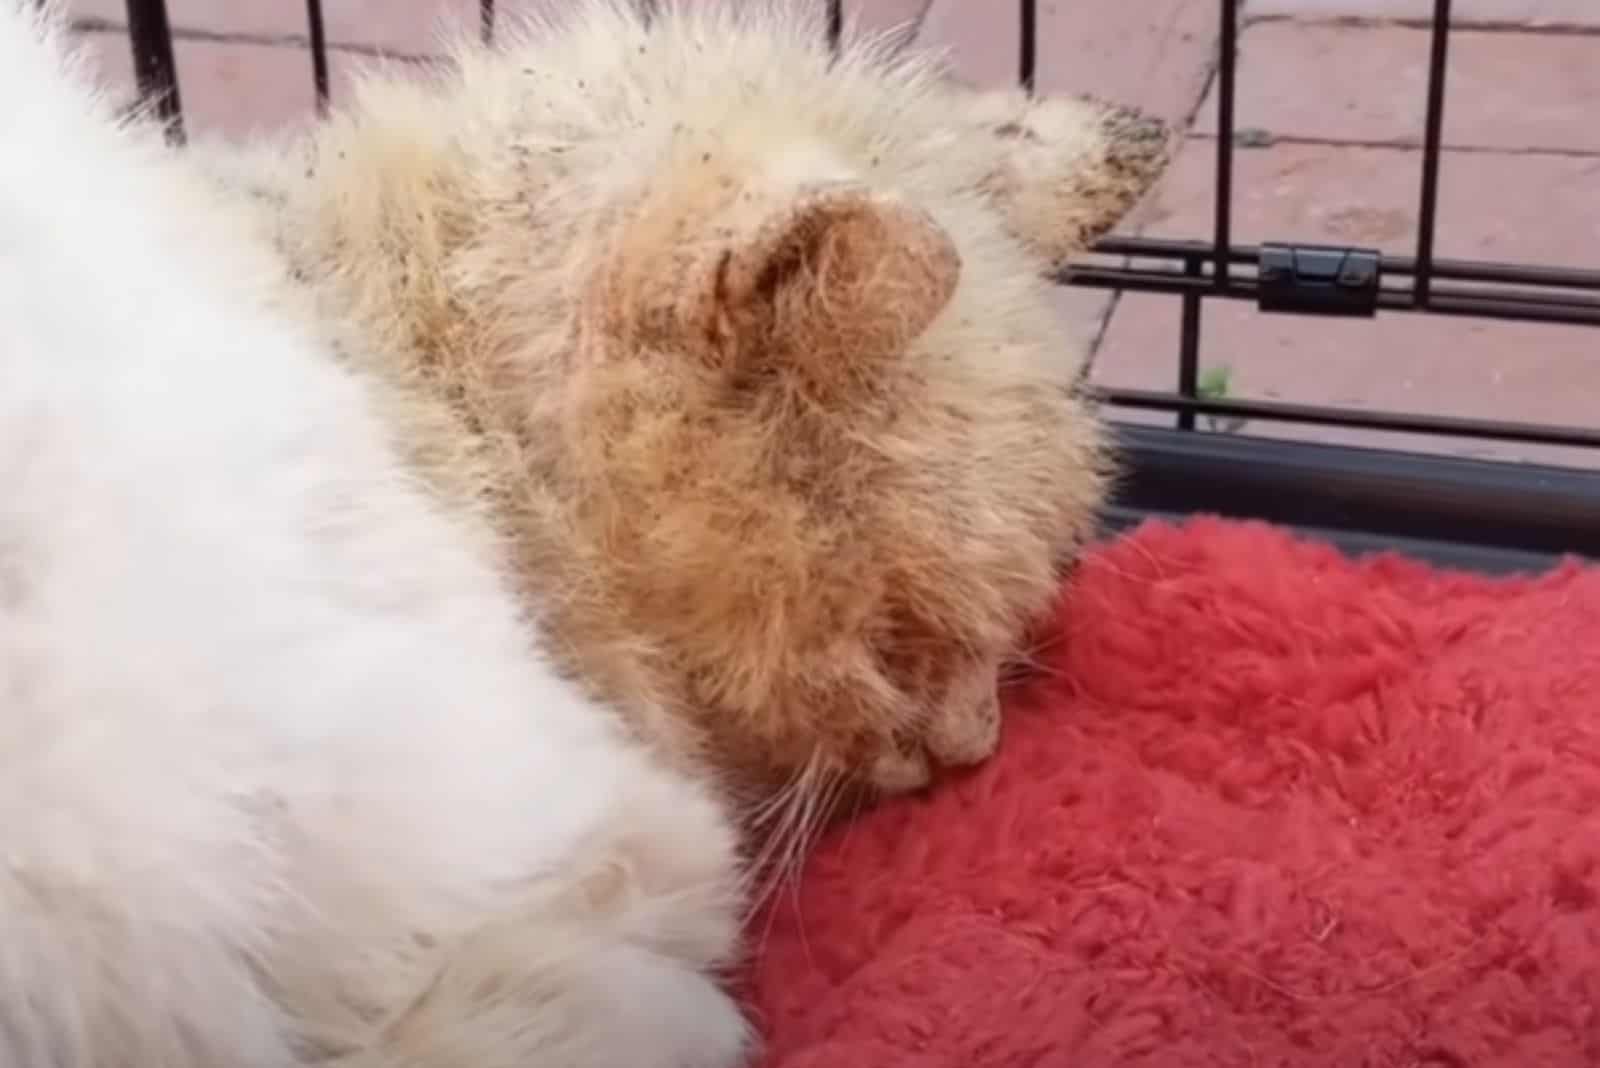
x,y
1266,805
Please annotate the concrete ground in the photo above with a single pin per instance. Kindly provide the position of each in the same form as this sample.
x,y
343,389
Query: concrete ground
x,y
1332,94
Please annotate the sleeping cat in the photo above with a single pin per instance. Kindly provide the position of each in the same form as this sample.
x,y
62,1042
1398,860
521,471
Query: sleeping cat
x,y
746,349
281,781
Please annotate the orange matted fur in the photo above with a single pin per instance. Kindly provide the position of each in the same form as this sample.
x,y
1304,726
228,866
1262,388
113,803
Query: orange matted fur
x,y
748,350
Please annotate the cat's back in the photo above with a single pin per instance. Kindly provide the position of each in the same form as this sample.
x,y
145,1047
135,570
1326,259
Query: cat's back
x,y
183,465
181,462
245,665
126,463
118,762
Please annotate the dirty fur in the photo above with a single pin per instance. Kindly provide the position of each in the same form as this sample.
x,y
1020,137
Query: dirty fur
x,y
747,351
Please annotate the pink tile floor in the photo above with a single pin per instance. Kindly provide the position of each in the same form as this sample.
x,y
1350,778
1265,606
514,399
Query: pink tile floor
x,y
1331,90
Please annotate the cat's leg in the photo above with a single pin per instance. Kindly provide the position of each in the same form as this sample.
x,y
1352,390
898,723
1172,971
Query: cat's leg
x,y
536,991
609,957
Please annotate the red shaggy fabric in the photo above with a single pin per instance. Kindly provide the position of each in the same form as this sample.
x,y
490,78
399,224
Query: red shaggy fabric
x,y
1267,806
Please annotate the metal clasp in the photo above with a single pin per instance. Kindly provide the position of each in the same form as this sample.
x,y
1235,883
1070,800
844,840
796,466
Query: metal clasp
x,y
1318,280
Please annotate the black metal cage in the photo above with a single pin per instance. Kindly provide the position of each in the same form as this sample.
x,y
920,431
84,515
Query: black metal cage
x,y
1483,514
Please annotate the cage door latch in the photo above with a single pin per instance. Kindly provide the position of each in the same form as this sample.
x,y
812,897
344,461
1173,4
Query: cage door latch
x,y
1318,279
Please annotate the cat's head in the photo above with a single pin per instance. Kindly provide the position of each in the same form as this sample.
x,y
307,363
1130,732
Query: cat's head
x,y
823,416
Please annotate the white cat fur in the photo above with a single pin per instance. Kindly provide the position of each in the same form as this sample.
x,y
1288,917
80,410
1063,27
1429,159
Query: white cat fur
x,y
281,781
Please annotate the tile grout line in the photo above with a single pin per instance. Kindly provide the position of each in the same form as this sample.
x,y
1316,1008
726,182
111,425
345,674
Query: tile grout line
x,y
1248,20
1273,140
910,30
1484,26
263,40
1181,134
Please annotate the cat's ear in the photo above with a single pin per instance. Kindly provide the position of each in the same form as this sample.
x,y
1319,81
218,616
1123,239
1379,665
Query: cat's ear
x,y
834,271
1064,170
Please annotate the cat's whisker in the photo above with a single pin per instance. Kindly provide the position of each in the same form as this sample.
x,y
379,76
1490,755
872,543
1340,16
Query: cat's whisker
x,y
799,813
772,867
826,809
771,822
774,807
799,829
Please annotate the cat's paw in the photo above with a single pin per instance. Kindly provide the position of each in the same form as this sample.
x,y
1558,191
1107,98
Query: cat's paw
x,y
535,994
963,731
660,1013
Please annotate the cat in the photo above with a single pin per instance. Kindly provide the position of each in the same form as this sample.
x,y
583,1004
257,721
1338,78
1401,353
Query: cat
x,y
747,348
283,779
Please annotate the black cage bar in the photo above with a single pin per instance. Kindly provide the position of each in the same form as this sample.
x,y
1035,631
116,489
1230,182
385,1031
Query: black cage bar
x,y
1483,514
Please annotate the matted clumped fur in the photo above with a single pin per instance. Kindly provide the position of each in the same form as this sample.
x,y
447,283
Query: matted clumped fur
x,y
748,349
